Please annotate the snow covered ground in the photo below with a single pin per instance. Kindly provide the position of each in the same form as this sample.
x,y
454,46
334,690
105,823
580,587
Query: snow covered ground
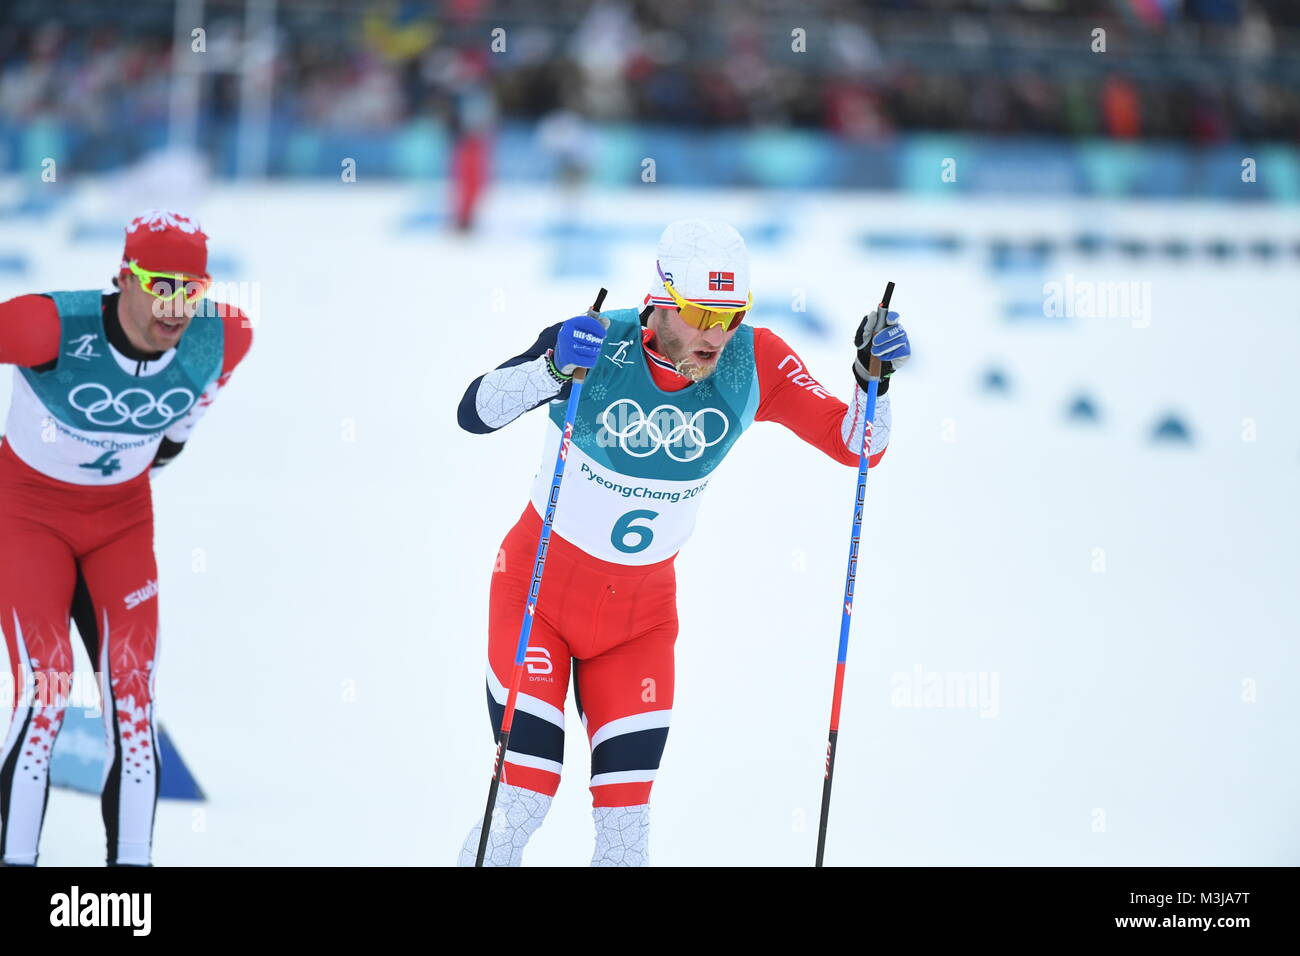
x,y
1125,613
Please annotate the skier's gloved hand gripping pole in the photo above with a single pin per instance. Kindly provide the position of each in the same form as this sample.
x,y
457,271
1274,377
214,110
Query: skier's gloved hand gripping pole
x,y
875,335
578,348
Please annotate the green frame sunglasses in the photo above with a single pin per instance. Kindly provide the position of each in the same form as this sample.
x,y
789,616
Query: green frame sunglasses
x,y
178,281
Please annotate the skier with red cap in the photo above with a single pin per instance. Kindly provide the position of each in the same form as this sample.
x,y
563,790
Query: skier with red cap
x,y
670,389
107,390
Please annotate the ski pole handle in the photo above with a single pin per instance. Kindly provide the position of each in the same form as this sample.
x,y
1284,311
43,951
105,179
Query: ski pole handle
x,y
873,366
580,374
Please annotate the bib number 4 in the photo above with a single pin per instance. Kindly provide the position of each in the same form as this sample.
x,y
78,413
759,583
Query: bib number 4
x,y
631,538
107,463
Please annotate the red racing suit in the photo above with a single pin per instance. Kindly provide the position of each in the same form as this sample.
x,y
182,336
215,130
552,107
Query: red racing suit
x,y
76,539
613,625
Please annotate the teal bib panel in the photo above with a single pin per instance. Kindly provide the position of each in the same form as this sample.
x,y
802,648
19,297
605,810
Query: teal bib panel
x,y
630,426
88,391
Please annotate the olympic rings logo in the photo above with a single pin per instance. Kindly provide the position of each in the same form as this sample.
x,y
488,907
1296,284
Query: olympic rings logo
x,y
665,426
162,407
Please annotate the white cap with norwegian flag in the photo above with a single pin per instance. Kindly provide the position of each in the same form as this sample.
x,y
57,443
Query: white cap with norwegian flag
x,y
707,263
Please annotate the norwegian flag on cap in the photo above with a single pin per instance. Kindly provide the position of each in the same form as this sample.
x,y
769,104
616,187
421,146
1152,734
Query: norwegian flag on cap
x,y
707,263
162,240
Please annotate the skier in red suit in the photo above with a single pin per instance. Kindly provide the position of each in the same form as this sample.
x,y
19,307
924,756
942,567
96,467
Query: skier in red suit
x,y
108,387
672,386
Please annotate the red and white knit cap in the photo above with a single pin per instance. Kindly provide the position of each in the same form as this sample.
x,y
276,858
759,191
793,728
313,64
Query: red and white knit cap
x,y
161,240
707,263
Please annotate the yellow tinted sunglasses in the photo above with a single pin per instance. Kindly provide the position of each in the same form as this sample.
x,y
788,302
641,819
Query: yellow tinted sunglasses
x,y
698,317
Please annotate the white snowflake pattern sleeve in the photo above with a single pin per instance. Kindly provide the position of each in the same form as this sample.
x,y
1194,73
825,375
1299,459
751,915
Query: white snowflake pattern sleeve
x,y
855,421
518,385
506,393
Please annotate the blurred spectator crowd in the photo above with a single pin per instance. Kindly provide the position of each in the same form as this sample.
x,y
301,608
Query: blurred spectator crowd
x,y
1200,71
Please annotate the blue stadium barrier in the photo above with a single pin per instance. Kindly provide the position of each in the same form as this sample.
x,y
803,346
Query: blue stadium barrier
x,y
766,158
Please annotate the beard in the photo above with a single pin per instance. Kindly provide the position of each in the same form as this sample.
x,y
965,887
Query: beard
x,y
692,371
676,353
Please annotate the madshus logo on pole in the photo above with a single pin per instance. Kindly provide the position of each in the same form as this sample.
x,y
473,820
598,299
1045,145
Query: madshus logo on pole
x,y
664,427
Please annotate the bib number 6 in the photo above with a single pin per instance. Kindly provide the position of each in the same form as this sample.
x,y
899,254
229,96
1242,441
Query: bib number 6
x,y
631,538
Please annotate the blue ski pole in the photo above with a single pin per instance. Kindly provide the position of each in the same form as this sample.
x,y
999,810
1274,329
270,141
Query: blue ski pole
x,y
530,605
846,618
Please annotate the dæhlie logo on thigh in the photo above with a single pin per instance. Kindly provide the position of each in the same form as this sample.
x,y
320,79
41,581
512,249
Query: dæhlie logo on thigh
x,y
538,661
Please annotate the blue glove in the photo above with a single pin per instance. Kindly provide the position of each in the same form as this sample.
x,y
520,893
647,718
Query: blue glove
x,y
578,344
891,344
880,335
